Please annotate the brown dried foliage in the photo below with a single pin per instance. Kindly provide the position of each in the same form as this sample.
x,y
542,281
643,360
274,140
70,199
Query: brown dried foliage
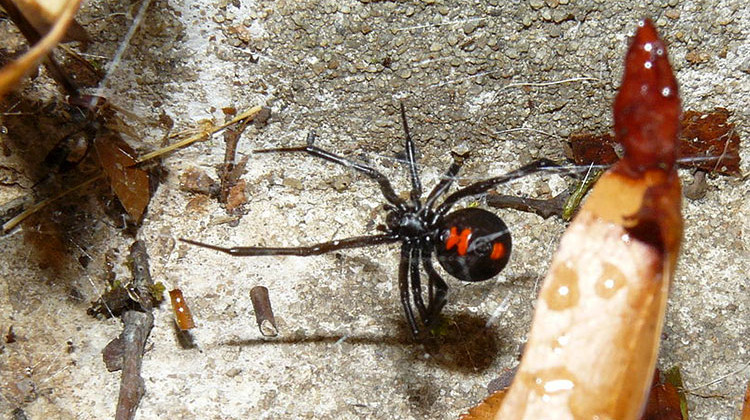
x,y
707,141
130,183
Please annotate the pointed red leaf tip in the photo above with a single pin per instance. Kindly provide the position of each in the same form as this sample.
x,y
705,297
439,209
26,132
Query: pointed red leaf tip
x,y
647,107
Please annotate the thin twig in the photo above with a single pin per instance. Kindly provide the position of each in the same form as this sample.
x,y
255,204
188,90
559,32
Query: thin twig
x,y
137,326
543,207
142,281
132,341
719,379
10,224
227,175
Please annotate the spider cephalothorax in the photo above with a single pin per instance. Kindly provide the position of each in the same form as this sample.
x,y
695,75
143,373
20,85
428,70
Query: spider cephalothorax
x,y
471,244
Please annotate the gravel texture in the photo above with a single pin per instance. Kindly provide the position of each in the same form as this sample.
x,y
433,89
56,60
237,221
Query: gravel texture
x,y
473,76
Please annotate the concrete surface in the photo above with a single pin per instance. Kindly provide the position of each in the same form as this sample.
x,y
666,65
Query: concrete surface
x,y
471,74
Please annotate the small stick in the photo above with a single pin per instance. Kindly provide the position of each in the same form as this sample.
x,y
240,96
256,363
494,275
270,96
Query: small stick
x,y
10,224
131,342
544,208
227,174
134,334
203,135
142,281
263,312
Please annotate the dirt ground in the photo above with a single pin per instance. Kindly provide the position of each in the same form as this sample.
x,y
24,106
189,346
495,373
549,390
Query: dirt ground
x,y
508,81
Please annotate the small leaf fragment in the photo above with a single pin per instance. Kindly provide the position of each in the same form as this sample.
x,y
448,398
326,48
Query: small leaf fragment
x,y
486,409
707,141
663,401
710,142
130,184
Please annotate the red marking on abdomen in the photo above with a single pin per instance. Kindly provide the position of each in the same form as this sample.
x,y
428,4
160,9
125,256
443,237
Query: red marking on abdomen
x,y
462,240
498,251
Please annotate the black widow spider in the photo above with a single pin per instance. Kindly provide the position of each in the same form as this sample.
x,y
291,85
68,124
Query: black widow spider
x,y
471,244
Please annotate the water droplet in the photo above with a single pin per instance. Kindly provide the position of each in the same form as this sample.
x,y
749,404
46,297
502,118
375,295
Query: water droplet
x,y
648,64
666,92
648,46
3,129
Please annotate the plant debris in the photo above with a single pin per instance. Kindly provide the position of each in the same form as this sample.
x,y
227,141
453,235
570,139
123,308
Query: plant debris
x,y
707,141
182,315
130,183
666,401
126,351
263,311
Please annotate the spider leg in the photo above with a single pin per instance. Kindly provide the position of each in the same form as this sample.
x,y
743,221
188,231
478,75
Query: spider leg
x,y
403,285
416,283
446,181
411,159
439,299
302,251
370,172
483,186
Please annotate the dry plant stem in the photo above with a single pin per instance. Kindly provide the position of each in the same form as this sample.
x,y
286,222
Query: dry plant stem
x,y
543,208
594,341
137,326
10,224
32,36
204,135
142,280
13,72
228,176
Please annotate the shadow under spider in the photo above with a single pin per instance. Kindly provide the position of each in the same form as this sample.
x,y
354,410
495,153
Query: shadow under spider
x,y
461,342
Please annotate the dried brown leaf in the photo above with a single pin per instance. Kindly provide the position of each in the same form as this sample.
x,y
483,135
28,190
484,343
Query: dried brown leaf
x,y
707,141
130,183
663,401
486,409
709,135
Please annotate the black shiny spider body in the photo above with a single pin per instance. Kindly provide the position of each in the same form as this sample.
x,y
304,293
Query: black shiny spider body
x,y
471,244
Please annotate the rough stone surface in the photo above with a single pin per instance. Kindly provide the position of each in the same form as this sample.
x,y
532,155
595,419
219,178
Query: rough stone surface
x,y
341,69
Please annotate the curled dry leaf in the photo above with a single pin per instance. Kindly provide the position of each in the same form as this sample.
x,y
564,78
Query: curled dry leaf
x,y
664,401
486,409
593,344
130,183
707,141
43,14
13,72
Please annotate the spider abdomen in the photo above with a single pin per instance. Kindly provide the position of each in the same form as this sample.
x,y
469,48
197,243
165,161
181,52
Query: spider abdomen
x,y
473,244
